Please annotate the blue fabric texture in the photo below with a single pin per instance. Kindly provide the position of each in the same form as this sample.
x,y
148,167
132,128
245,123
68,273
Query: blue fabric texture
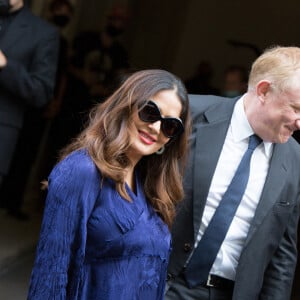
x,y
93,243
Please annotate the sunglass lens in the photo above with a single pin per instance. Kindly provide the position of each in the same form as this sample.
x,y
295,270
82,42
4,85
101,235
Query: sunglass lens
x,y
171,127
149,113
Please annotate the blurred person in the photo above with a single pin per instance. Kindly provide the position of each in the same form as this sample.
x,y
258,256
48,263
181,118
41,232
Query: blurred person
x,y
252,253
235,81
97,59
98,56
111,198
28,58
60,14
200,82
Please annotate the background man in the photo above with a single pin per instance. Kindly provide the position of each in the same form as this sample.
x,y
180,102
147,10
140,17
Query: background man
x,y
235,81
28,59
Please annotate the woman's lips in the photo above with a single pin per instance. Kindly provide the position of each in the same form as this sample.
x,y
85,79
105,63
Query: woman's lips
x,y
147,138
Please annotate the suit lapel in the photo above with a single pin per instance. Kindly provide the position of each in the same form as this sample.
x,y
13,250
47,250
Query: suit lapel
x,y
209,142
274,183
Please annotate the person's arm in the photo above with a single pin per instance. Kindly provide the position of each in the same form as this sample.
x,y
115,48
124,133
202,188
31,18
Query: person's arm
x,y
74,186
33,85
49,276
278,278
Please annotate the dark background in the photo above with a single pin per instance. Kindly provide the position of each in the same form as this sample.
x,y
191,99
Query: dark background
x,y
176,35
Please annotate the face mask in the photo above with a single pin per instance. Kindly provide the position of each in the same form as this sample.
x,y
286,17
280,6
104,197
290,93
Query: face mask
x,y
4,7
61,20
231,94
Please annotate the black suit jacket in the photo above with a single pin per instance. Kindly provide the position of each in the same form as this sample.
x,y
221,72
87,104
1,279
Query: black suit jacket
x,y
268,259
31,46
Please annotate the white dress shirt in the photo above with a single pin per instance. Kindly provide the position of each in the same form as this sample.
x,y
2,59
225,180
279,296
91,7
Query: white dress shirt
x,y
235,145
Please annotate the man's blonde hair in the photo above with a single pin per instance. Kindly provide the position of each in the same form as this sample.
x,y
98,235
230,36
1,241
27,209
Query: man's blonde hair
x,y
279,65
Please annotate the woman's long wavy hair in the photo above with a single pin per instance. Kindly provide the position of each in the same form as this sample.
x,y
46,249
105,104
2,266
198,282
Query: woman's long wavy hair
x,y
107,140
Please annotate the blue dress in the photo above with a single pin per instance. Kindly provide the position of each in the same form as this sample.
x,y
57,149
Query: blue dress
x,y
93,243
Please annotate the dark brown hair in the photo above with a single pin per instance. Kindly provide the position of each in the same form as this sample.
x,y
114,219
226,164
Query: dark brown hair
x,y
107,138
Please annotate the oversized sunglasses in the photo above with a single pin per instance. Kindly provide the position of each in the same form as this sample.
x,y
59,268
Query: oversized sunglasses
x,y
171,127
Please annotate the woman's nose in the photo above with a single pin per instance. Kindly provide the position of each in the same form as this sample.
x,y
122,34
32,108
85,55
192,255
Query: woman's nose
x,y
155,126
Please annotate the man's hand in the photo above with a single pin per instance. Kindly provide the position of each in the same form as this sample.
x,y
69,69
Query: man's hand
x,y
3,60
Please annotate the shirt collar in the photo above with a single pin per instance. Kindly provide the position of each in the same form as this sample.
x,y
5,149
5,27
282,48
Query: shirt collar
x,y
241,129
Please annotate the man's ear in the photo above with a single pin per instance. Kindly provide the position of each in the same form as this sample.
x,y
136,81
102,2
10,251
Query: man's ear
x,y
262,89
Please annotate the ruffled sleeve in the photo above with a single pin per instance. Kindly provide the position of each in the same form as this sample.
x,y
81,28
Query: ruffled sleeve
x,y
74,187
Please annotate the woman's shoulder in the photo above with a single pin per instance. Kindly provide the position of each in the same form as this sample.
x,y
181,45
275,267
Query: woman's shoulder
x,y
77,166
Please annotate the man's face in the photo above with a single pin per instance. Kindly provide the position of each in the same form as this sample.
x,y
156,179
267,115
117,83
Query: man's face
x,y
280,115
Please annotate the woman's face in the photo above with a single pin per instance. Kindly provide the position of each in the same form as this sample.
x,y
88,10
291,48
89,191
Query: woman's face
x,y
146,137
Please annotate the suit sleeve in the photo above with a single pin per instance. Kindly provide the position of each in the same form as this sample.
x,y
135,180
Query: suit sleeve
x,y
73,190
34,85
278,279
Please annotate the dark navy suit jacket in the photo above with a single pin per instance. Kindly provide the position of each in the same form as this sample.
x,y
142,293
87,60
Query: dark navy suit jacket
x,y
268,259
31,46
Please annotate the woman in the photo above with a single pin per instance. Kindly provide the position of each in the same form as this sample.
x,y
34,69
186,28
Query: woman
x,y
110,203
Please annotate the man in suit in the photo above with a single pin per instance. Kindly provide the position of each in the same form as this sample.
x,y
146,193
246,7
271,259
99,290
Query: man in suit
x,y
257,257
28,62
